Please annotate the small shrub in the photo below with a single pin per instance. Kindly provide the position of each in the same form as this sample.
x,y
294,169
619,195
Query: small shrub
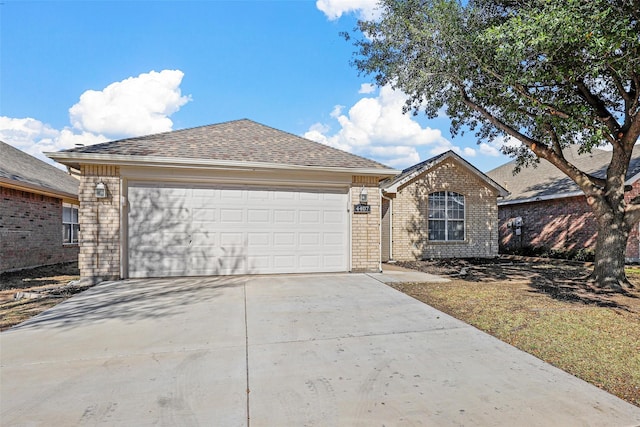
x,y
582,254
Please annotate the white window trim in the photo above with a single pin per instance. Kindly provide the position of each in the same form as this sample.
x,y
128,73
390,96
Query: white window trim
x,y
77,238
446,219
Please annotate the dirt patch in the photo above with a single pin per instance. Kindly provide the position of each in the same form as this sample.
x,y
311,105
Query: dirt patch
x,y
546,308
25,293
558,279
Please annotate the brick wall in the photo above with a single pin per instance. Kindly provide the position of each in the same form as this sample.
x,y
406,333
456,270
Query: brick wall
x,y
562,224
31,231
99,224
410,216
365,228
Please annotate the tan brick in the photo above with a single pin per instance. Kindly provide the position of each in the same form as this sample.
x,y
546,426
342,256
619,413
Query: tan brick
x,y
410,215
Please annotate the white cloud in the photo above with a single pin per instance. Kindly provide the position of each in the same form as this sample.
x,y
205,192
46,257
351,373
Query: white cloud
x,y
469,152
493,148
376,127
134,106
334,9
367,88
489,150
34,137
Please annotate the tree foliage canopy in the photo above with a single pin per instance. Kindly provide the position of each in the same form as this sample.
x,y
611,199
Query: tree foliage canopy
x,y
548,73
551,72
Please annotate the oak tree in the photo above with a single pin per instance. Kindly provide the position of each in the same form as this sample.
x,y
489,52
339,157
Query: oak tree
x,y
547,73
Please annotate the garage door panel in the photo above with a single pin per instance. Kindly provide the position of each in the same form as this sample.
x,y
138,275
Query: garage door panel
x,y
310,262
284,262
231,195
309,217
232,240
281,216
194,230
258,195
333,217
259,263
310,196
231,216
284,240
284,195
205,214
334,261
307,239
258,240
333,239
335,197
258,216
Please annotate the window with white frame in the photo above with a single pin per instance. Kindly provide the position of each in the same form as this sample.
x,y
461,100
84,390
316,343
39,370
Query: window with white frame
x,y
70,224
446,216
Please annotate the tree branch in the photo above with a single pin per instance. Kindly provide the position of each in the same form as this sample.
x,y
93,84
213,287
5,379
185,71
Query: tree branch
x,y
522,90
556,142
589,184
599,106
620,87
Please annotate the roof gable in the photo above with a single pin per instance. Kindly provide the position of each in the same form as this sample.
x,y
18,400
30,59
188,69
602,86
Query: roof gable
x,y
414,172
547,182
22,170
234,141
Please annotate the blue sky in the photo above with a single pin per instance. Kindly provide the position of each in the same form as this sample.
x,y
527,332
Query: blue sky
x,y
92,71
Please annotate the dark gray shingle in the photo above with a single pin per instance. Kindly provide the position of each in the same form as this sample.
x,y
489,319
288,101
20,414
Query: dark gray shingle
x,y
240,140
22,168
546,180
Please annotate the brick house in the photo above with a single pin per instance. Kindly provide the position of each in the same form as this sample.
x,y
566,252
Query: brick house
x,y
440,208
243,198
552,212
38,212
232,198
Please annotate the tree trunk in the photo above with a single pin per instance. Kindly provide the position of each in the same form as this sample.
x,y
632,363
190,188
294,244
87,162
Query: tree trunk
x,y
611,245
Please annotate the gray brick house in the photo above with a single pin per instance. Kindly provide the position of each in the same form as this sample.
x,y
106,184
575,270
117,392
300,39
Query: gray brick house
x,y
38,212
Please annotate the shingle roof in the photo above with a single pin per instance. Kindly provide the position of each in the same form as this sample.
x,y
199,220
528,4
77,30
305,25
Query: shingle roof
x,y
547,181
22,169
414,171
424,165
240,140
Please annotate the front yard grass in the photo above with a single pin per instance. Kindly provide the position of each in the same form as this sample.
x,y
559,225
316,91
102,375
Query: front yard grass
x,y
553,316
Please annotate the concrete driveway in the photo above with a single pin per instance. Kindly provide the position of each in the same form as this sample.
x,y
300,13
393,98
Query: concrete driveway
x,y
315,350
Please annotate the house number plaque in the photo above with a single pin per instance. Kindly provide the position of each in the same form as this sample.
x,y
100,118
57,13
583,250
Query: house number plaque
x,y
362,209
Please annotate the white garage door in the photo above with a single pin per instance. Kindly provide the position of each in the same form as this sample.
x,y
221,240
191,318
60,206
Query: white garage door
x,y
190,230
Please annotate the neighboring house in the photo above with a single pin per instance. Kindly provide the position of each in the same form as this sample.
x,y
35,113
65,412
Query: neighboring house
x,y
232,198
440,208
546,209
38,212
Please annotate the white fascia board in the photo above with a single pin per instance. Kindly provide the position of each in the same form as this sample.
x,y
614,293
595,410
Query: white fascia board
x,y
540,198
392,189
633,179
121,160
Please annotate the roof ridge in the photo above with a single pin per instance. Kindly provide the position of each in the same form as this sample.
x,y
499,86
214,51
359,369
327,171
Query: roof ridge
x,y
241,140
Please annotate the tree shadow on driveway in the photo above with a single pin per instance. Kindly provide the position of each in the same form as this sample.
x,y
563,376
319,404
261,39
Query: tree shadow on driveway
x,y
133,300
